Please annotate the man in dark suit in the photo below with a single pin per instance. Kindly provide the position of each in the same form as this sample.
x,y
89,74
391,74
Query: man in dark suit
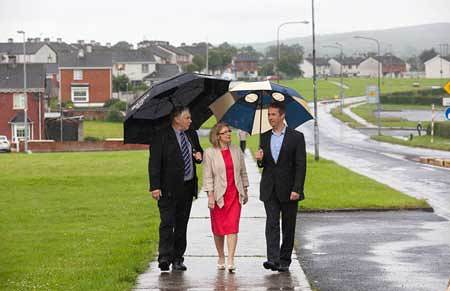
x,y
173,182
283,157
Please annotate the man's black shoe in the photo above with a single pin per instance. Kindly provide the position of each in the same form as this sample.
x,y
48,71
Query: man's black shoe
x,y
270,266
283,268
178,266
164,265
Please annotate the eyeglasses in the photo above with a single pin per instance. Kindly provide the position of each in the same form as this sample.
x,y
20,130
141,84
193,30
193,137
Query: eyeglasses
x,y
225,132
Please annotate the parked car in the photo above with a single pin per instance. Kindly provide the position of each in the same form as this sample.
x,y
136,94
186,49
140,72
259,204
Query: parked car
x,y
4,144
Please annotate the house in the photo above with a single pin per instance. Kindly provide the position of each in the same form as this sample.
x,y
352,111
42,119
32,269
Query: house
x,y
135,64
350,66
245,66
179,56
166,52
161,73
434,66
12,100
322,67
390,65
86,78
37,52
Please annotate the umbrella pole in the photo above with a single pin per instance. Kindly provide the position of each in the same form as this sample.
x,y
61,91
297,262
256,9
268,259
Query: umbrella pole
x,y
260,118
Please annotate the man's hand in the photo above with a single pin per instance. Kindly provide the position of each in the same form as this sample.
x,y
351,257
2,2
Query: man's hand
x,y
197,156
259,155
211,200
295,196
156,194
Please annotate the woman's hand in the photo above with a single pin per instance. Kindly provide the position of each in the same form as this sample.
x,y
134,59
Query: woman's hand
x,y
211,200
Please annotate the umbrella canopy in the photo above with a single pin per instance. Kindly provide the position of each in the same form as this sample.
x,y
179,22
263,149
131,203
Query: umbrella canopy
x,y
151,111
245,106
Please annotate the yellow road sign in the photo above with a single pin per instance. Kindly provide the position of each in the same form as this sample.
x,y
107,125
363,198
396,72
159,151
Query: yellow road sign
x,y
447,87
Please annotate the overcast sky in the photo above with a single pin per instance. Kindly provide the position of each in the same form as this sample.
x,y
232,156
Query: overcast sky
x,y
235,21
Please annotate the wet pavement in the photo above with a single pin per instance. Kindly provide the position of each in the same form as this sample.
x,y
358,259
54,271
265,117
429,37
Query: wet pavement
x,y
201,257
406,250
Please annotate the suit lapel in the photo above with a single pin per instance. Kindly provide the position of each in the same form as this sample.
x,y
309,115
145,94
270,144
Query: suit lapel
x,y
172,138
268,139
283,145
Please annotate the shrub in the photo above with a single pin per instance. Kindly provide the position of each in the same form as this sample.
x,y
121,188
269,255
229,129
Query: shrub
x,y
115,104
91,138
114,115
422,97
441,128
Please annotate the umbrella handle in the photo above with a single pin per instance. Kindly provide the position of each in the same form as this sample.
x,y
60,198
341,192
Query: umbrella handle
x,y
260,118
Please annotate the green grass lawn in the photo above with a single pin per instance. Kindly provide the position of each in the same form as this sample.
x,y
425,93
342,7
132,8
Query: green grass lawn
x,y
336,112
103,129
357,86
330,186
75,221
424,141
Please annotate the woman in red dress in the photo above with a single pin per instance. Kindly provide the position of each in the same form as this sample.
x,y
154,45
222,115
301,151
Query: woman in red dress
x,y
226,182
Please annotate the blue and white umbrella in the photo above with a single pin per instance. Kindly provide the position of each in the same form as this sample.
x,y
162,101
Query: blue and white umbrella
x,y
245,106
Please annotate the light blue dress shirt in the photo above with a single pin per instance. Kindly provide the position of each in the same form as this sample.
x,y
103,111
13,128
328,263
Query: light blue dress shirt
x,y
276,140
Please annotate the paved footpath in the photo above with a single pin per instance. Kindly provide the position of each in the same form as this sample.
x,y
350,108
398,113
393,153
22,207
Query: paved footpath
x,y
201,257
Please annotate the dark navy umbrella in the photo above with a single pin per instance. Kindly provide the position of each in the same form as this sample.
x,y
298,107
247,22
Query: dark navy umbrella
x,y
151,112
245,106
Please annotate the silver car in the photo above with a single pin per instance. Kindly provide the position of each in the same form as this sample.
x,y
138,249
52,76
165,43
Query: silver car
x,y
4,144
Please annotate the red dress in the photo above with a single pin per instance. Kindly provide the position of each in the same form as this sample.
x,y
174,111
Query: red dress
x,y
225,220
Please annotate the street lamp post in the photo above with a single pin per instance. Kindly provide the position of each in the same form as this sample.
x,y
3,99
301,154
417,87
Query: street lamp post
x,y
278,43
25,106
341,91
378,77
316,124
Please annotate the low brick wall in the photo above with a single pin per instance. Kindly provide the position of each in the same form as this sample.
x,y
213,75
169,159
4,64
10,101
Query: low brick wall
x,y
80,146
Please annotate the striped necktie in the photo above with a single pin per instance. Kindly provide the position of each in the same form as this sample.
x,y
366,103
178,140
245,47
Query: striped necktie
x,y
186,155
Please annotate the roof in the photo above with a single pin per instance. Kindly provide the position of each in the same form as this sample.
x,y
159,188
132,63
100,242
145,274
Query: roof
x,y
95,59
11,76
16,48
319,61
175,50
164,71
348,61
124,56
19,117
245,58
198,50
158,52
389,60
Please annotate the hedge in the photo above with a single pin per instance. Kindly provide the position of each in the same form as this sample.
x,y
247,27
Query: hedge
x,y
421,97
441,128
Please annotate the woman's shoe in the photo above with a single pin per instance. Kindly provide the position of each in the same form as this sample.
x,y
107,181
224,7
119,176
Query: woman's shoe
x,y
231,268
220,266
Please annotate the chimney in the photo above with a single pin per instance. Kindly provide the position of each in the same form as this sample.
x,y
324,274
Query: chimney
x,y
47,39
29,39
59,40
108,44
81,42
10,40
81,53
37,39
89,48
93,42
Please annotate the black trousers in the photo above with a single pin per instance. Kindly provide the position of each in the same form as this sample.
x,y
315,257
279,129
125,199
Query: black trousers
x,y
174,211
288,210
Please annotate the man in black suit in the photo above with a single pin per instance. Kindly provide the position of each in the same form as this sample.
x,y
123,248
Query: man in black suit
x,y
173,182
283,157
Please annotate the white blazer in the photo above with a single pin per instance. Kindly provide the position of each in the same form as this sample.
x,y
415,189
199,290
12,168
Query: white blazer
x,y
215,175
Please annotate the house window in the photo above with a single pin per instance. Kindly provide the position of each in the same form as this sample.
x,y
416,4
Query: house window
x,y
80,94
78,75
19,101
144,68
19,131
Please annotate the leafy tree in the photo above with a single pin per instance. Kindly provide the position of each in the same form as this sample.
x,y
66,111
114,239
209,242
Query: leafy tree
x,y
415,63
215,60
190,68
427,55
267,69
199,62
123,45
290,57
120,83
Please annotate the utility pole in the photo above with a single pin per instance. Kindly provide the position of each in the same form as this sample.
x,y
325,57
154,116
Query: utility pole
x,y
25,106
316,125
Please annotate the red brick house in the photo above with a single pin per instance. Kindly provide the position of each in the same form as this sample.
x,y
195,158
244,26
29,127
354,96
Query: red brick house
x,y
12,101
245,66
86,78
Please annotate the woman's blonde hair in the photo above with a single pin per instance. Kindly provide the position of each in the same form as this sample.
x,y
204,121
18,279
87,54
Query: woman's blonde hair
x,y
214,133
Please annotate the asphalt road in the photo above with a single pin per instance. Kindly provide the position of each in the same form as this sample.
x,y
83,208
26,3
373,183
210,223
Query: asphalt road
x,y
377,251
